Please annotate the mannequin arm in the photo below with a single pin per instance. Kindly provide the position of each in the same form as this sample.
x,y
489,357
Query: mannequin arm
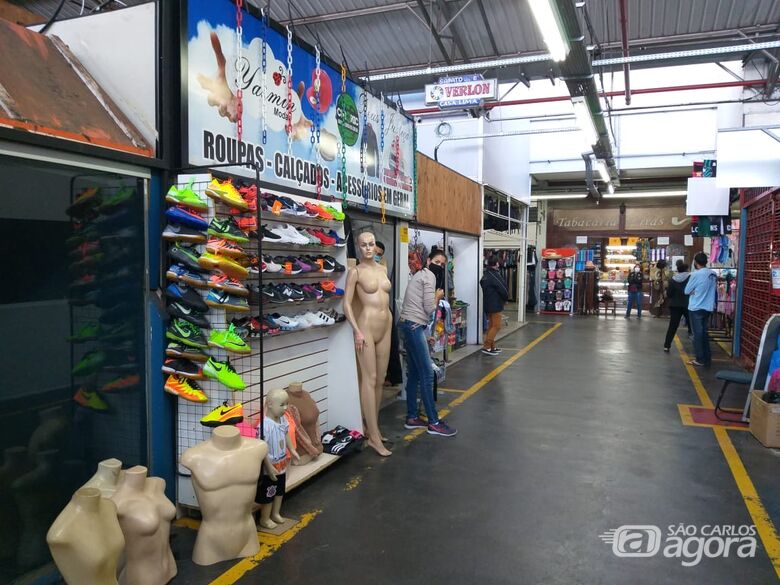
x,y
291,449
269,468
349,313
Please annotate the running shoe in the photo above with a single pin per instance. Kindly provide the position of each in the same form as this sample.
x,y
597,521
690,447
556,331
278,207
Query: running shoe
x,y
225,247
270,328
321,319
312,293
339,242
303,320
442,429
335,213
220,281
325,240
292,207
184,388
186,217
178,273
93,361
313,240
187,256
255,327
177,350
312,209
291,293
88,199
272,294
327,264
336,266
183,368
227,265
290,265
226,228
186,333
225,192
112,202
241,326
229,340
125,382
335,315
283,322
221,299
175,232
91,400
281,235
186,197
189,297
252,263
247,224
87,332
225,414
224,373
302,265
415,423
116,313
249,195
323,213
270,236
179,311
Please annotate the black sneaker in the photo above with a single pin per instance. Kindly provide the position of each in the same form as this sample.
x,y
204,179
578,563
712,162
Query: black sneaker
x,y
327,263
326,294
178,350
308,293
186,333
336,266
180,233
295,268
269,236
335,315
178,310
227,229
181,293
272,294
187,256
182,367
291,292
241,327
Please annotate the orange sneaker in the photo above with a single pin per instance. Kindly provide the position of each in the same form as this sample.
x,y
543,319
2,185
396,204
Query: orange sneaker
x,y
121,383
225,247
184,388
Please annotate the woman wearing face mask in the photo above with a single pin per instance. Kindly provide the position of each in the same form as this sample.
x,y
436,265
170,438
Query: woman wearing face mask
x,y
635,281
379,253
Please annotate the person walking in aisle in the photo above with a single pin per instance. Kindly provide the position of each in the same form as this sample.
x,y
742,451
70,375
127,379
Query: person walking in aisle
x,y
685,316
495,294
420,301
659,292
701,287
635,281
678,302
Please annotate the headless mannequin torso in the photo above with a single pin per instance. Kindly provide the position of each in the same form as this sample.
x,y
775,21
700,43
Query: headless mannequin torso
x,y
309,412
107,477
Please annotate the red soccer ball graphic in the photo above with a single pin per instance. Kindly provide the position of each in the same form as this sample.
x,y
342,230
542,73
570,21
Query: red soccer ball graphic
x,y
326,91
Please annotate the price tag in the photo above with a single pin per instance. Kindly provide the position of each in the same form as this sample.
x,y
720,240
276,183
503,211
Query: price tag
x,y
582,239
663,240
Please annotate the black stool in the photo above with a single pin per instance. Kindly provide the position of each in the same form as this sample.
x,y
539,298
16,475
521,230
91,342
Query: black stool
x,y
730,377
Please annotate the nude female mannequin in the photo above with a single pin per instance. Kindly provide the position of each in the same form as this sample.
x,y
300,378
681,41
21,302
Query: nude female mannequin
x,y
86,541
371,322
225,470
107,477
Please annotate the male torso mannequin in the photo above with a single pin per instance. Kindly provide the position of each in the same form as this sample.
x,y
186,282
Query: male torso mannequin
x,y
86,541
107,477
310,416
225,470
145,517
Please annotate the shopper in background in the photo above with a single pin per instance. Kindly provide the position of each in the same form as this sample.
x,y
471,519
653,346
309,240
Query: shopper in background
x,y
679,263
659,292
635,281
379,255
701,287
420,301
494,295
677,301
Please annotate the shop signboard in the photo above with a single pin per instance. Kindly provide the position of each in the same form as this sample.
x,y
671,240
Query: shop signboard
x,y
461,91
657,219
357,139
587,220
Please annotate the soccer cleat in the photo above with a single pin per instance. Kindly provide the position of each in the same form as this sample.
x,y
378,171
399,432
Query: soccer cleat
x,y
229,340
186,296
86,200
249,195
220,281
90,399
177,350
178,273
227,229
121,383
186,333
184,388
87,332
227,265
247,224
113,201
225,248
186,197
187,256
335,213
225,414
325,240
224,373
225,192
221,299
92,362
179,311
183,368
186,217
175,232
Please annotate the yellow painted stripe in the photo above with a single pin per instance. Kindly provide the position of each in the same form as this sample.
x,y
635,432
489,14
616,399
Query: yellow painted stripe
x,y
269,544
700,390
687,419
451,390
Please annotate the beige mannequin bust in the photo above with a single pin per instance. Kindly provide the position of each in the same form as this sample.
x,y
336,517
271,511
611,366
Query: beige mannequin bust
x,y
86,541
225,470
107,477
310,419
155,488
371,320
145,519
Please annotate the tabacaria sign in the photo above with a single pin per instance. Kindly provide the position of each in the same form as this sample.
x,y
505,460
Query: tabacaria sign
x,y
460,91
377,140
592,220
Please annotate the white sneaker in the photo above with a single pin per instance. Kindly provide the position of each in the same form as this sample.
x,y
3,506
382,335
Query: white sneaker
x,y
322,319
271,266
294,235
286,323
303,320
284,237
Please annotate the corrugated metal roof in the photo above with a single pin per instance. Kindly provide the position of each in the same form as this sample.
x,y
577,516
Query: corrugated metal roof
x,y
72,8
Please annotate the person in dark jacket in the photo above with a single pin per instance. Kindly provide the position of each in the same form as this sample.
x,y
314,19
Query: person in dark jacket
x,y
494,295
635,281
677,301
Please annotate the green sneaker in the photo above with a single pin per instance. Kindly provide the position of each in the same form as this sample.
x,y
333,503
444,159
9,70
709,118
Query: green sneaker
x,y
90,363
116,199
120,331
88,332
186,333
228,340
223,373
227,229
337,215
186,197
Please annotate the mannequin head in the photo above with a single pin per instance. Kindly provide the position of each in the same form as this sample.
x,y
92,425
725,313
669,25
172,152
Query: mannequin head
x,y
277,402
366,244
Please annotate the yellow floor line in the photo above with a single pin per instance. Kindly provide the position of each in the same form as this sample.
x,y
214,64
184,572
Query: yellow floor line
x,y
764,525
687,419
451,390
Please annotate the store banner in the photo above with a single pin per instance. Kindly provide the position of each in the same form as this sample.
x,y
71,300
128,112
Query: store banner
x,y
656,219
587,220
461,91
348,129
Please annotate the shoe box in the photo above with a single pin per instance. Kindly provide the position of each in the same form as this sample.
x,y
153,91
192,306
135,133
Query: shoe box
x,y
765,421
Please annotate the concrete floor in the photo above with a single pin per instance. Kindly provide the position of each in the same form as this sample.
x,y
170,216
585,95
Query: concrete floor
x,y
579,435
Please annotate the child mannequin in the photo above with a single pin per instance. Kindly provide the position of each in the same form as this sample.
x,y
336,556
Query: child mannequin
x,y
270,487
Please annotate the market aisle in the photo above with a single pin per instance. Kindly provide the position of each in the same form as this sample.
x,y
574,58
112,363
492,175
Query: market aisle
x,y
578,436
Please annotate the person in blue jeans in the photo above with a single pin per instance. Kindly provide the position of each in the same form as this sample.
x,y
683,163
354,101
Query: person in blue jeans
x,y
635,281
701,287
420,301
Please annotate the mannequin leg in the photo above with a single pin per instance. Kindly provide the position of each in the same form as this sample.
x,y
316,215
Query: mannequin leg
x,y
368,380
382,359
276,510
265,515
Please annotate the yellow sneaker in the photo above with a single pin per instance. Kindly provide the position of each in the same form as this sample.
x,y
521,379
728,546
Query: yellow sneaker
x,y
227,194
224,414
229,266
91,400
184,388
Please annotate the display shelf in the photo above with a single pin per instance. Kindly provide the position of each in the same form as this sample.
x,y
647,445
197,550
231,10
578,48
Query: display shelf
x,y
297,248
298,474
268,216
281,277
622,247
272,307
611,283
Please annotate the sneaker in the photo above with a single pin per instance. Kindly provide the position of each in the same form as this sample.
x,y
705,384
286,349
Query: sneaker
x,y
221,299
224,373
227,265
113,201
187,256
225,192
497,349
270,328
288,235
270,293
327,264
227,229
336,266
184,388
220,281
186,333
93,361
302,266
89,198
304,320
291,293
415,423
179,311
271,265
186,197
271,236
186,217
335,213
174,232
335,315
124,382
90,399
283,322
247,327
442,429
183,368
291,207
325,240
177,350
312,292
321,319
489,351
312,209
249,195
228,340
247,224
178,273
338,241
225,247
225,414
313,240
87,332
323,213
84,249
186,296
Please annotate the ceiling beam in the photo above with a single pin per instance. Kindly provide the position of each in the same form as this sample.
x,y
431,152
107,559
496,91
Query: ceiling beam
x,y
489,30
455,35
354,13
434,32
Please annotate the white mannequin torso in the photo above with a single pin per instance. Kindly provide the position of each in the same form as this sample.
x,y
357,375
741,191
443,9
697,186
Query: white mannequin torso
x,y
107,477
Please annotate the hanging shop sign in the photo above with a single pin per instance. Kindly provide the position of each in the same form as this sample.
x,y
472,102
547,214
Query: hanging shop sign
x,y
460,91
587,220
656,219
302,124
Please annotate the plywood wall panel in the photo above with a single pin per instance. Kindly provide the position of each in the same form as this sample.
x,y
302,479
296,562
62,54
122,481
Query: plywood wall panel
x,y
447,199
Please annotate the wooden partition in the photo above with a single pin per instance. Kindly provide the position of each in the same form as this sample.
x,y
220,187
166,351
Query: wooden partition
x,y
447,199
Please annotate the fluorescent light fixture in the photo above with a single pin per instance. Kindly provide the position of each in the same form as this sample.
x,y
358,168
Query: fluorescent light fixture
x,y
601,167
611,188
585,120
548,21
642,194
550,196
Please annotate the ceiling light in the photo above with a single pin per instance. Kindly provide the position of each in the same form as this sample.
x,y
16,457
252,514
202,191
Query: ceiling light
x,y
601,167
549,23
549,196
638,194
611,188
585,121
